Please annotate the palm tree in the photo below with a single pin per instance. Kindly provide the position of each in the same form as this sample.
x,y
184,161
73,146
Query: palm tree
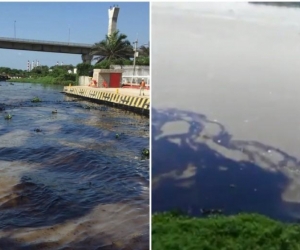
x,y
113,48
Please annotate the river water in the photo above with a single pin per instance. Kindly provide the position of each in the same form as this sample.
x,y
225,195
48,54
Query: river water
x,y
66,180
226,128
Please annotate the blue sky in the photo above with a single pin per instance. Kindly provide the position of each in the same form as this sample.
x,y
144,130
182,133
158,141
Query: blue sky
x,y
51,21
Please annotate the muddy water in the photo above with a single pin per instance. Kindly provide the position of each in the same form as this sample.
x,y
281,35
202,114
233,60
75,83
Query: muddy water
x,y
226,95
66,181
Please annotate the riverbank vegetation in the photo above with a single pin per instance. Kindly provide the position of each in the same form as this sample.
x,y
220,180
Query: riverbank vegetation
x,y
279,4
174,230
59,74
115,49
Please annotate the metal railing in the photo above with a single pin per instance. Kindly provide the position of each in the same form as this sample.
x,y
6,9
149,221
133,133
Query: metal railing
x,y
135,80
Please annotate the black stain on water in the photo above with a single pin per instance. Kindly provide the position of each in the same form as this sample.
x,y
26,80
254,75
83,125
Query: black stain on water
x,y
76,166
245,186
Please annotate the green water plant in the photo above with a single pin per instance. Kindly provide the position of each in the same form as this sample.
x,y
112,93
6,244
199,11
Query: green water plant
x,y
145,152
36,99
118,135
8,117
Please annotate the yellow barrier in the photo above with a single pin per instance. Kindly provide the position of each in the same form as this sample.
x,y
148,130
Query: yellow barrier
x,y
138,102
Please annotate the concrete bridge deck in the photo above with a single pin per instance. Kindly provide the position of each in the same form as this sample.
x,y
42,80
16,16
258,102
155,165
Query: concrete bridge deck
x,y
126,98
47,46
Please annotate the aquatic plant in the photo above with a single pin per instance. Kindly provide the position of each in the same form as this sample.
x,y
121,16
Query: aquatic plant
x,y
145,152
8,117
36,99
119,135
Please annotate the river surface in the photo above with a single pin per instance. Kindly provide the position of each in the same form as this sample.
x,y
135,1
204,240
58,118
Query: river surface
x,y
66,180
226,98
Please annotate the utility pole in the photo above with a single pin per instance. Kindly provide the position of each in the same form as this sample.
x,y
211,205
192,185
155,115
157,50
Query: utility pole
x,y
134,57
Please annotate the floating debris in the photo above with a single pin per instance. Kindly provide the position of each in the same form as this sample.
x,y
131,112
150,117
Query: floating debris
x,y
36,99
54,111
211,211
8,117
37,130
232,186
145,152
118,135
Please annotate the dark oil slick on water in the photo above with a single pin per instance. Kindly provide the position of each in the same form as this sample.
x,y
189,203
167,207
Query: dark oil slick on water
x,y
226,123
209,171
66,181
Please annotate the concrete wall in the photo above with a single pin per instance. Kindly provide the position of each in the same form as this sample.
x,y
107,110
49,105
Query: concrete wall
x,y
141,71
110,96
128,70
100,78
84,80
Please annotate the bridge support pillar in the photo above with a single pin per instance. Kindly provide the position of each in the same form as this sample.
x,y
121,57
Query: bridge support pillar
x,y
113,13
86,58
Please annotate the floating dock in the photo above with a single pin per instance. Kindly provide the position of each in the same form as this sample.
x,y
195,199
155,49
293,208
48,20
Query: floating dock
x,y
123,98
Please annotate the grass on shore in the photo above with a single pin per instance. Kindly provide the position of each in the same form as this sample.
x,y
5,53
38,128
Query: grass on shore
x,y
173,231
45,80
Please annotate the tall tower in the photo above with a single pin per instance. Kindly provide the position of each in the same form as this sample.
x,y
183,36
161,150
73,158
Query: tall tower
x,y
113,13
28,66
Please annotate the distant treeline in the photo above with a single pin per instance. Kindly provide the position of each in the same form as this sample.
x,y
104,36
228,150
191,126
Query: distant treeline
x,y
4,78
280,4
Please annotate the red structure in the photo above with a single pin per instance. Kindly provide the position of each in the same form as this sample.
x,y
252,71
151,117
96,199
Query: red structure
x,y
115,79
108,78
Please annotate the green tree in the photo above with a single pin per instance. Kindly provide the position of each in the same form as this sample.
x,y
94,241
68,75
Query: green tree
x,y
144,51
142,60
40,71
83,69
113,48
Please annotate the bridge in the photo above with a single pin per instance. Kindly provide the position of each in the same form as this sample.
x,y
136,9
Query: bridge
x,y
47,46
60,47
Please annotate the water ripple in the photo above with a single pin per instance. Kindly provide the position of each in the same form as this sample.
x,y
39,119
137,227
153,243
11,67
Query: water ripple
x,y
72,184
